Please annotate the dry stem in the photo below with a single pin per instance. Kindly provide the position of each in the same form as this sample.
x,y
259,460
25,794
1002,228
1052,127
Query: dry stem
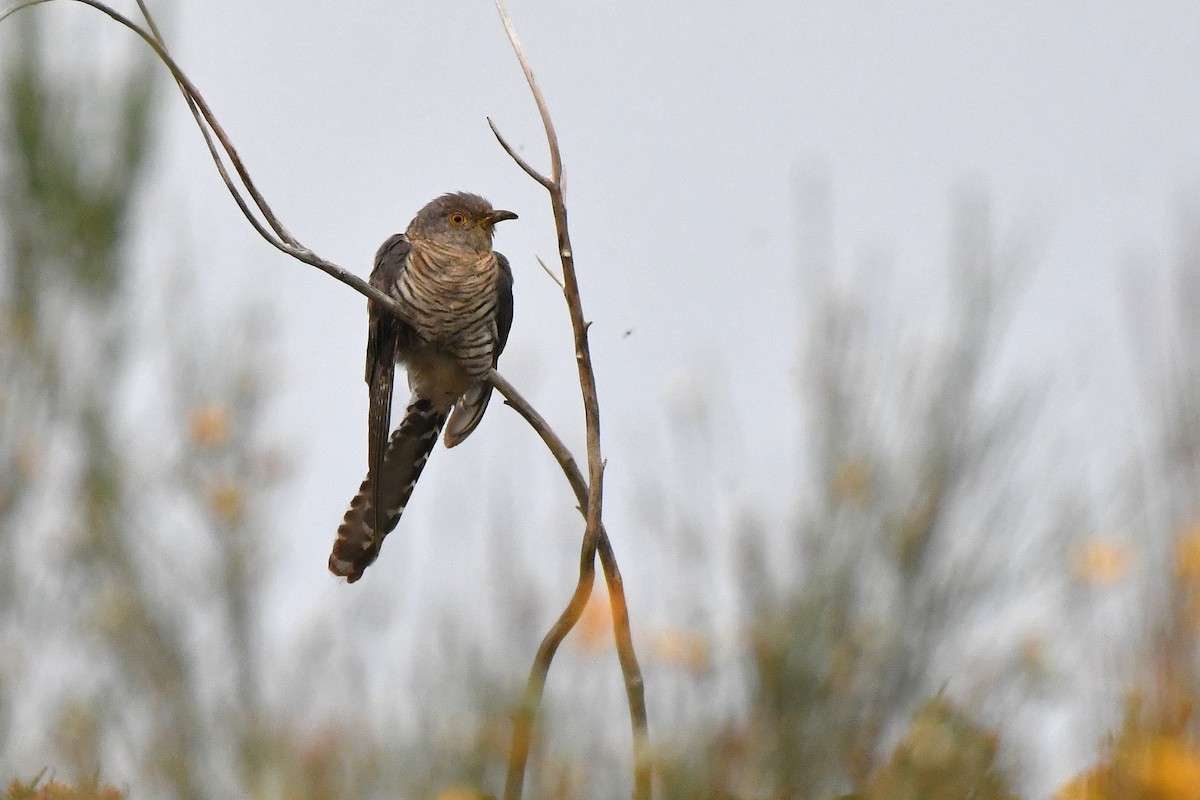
x,y
595,537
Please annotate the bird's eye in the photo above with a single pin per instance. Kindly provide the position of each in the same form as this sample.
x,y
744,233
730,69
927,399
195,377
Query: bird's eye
x,y
458,219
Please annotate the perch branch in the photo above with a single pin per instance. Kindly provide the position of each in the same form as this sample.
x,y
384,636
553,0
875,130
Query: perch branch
x,y
589,494
272,230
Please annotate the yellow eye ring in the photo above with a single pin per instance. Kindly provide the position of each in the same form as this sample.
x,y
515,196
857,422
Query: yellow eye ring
x,y
458,219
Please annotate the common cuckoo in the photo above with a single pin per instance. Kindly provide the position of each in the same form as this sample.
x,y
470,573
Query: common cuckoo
x,y
456,292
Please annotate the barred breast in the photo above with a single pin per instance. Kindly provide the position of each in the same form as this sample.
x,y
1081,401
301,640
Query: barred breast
x,y
451,297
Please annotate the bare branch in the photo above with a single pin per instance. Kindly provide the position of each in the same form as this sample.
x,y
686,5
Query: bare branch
x,y
555,176
522,163
634,687
595,537
194,101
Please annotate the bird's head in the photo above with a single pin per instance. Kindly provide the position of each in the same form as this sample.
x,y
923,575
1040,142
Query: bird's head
x,y
460,220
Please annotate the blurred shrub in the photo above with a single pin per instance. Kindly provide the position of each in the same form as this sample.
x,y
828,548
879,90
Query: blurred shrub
x,y
944,756
53,790
1156,754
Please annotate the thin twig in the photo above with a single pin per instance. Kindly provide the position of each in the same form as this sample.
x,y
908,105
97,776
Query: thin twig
x,y
513,154
595,537
277,235
549,272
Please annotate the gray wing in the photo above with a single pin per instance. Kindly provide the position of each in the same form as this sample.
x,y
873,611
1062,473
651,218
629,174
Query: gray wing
x,y
468,412
384,336
504,306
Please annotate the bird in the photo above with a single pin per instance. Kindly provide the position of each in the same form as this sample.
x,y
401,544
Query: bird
x,y
456,294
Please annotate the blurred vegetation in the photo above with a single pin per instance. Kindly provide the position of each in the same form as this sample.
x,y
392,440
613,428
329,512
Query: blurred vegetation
x,y
57,791
54,790
102,467
127,656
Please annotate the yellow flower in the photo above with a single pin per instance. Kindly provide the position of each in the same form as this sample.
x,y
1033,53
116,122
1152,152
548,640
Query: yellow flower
x,y
1096,784
1187,563
1031,652
1165,767
227,502
852,482
459,792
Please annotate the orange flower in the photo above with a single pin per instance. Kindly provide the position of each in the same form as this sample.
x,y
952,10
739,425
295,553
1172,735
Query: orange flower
x,y
687,649
1102,562
209,426
28,458
595,626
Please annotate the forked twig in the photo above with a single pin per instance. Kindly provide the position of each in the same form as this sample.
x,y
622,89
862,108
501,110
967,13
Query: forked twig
x,y
589,494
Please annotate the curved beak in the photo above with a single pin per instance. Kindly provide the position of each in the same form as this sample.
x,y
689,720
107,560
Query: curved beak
x,y
499,215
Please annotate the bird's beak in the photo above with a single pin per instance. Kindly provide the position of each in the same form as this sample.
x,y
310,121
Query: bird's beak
x,y
499,215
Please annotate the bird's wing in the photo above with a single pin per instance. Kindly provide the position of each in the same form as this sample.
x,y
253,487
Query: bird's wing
x,y
504,306
384,332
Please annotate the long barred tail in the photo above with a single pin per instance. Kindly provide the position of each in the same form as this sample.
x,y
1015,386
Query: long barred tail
x,y
358,544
